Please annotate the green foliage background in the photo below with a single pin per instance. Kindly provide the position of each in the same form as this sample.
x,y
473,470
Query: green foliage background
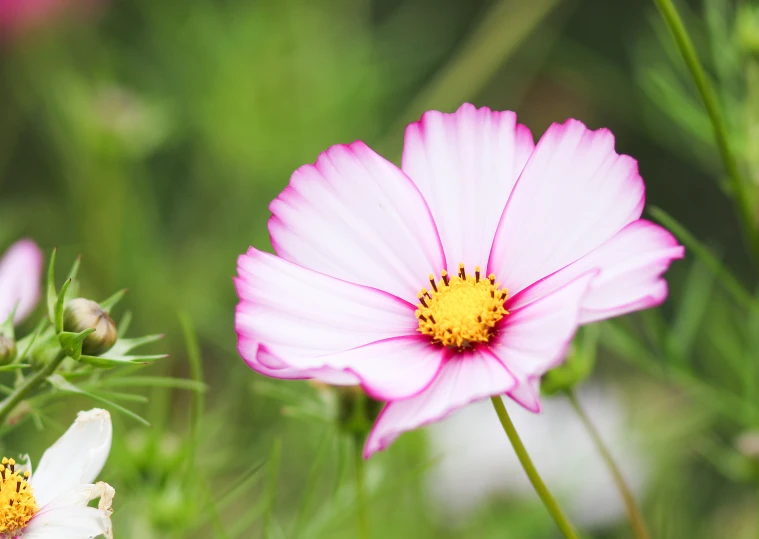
x,y
150,137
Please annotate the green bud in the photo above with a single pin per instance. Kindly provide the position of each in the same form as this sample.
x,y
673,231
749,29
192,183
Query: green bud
x,y
81,314
7,349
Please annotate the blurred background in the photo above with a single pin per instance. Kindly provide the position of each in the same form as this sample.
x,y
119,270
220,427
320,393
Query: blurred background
x,y
150,137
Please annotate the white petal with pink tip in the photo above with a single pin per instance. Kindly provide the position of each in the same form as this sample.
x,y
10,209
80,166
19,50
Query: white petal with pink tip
x,y
574,193
630,267
465,165
391,369
535,337
465,378
300,315
355,216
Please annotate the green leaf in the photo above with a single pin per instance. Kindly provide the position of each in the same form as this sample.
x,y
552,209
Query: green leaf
x,y
71,343
153,381
61,384
14,367
25,345
125,322
731,284
58,313
6,328
124,346
109,362
73,289
52,294
690,312
110,303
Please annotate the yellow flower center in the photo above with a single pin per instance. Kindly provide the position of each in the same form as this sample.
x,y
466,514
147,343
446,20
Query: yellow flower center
x,y
462,310
17,503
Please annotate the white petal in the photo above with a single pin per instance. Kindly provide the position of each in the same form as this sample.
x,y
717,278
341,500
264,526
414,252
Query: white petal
x,y
465,164
355,216
76,458
630,266
574,193
289,317
69,523
464,378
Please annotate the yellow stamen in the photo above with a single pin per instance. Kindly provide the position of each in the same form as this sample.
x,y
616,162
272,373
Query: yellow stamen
x,y
17,503
461,310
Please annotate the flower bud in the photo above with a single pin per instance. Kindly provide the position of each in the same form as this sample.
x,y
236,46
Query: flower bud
x,y
7,349
81,314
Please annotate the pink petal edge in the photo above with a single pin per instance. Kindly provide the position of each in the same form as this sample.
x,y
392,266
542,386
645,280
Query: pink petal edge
x,y
465,165
574,193
356,216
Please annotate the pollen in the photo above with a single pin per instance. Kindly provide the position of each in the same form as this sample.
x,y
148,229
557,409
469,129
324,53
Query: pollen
x,y
17,503
462,310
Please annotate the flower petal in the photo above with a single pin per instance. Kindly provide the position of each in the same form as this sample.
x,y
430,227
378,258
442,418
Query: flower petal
x,y
289,317
391,369
574,193
534,338
631,264
465,164
76,458
464,378
20,277
68,523
355,216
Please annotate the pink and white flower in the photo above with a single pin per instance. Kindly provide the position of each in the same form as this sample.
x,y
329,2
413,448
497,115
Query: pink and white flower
x,y
52,502
19,17
461,275
20,275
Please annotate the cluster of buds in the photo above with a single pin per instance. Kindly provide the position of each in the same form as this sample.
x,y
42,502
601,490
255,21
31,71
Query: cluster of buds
x,y
78,335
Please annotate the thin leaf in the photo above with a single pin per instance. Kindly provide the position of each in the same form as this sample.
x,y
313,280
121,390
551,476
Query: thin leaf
x,y
58,314
110,303
726,278
52,291
154,381
61,384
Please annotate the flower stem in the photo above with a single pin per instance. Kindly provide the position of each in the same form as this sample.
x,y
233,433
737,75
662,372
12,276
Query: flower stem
x,y
361,507
29,385
637,523
740,187
524,458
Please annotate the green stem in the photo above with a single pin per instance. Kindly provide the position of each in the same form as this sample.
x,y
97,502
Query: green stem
x,y
361,506
29,385
524,458
740,186
637,523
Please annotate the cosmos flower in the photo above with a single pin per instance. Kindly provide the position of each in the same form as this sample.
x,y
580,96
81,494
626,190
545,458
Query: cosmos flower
x,y
473,460
19,17
52,502
461,275
20,274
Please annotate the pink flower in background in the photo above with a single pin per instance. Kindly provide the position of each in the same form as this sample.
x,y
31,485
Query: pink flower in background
x,y
20,16
20,277
462,275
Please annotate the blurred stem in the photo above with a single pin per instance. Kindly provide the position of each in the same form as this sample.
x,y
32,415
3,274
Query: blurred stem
x,y
524,458
637,523
32,383
360,473
740,186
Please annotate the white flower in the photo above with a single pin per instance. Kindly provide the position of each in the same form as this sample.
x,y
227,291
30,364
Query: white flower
x,y
476,461
52,502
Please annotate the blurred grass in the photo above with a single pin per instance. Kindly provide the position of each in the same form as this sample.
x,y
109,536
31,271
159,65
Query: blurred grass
x,y
150,138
